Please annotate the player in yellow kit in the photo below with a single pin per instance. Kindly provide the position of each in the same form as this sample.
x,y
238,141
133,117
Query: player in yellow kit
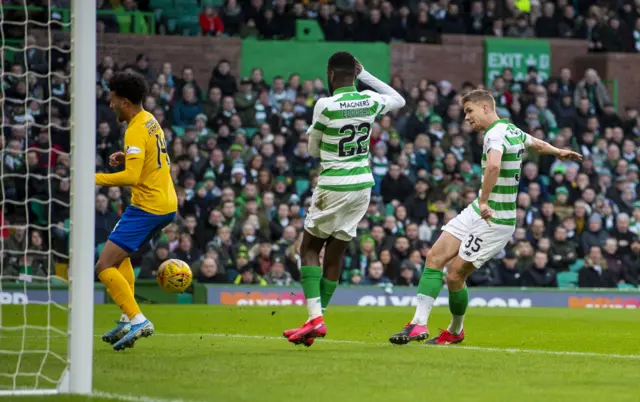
x,y
153,204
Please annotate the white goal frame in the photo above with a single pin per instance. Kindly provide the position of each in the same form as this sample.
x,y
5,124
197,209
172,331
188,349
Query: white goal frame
x,y
78,377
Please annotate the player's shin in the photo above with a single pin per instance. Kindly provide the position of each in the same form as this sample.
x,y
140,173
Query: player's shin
x,y
327,288
120,292
311,277
458,302
428,290
126,269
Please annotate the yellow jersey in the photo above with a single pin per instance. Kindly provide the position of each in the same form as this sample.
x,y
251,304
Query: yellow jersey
x,y
154,192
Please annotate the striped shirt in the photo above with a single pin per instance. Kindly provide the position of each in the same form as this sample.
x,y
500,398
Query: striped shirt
x,y
511,142
345,121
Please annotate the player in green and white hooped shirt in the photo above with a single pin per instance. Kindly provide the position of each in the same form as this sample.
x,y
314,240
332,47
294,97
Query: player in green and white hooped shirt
x,y
339,135
484,228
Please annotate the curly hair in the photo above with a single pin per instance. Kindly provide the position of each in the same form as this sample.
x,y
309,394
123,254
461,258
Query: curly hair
x,y
129,85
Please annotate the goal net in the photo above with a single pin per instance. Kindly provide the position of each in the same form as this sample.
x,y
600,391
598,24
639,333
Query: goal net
x,y
46,223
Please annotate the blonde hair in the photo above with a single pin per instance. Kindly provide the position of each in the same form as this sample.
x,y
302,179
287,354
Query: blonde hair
x,y
479,95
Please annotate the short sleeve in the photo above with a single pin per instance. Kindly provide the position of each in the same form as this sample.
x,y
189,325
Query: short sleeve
x,y
320,121
527,139
494,139
135,143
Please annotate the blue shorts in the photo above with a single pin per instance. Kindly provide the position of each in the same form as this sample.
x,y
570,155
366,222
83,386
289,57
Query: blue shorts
x,y
137,227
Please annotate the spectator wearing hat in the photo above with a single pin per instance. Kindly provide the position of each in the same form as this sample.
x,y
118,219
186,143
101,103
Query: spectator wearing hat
x,y
355,277
277,274
595,274
436,131
153,259
394,146
201,125
561,205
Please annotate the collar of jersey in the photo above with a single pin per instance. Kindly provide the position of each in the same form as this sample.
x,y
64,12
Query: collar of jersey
x,y
344,90
137,116
506,121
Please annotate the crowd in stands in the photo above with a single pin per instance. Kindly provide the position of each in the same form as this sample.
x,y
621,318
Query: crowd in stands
x,y
606,27
244,178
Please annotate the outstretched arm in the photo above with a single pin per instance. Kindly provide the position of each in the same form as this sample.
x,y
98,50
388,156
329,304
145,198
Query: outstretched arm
x,y
545,148
393,100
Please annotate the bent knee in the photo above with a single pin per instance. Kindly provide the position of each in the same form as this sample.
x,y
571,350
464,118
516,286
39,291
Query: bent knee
x,y
455,276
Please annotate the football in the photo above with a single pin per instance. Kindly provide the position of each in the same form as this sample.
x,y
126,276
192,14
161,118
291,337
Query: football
x,y
174,276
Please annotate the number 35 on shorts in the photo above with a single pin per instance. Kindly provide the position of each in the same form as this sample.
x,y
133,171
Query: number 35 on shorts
x,y
471,245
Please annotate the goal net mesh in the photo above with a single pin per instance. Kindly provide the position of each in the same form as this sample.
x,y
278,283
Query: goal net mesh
x,y
34,198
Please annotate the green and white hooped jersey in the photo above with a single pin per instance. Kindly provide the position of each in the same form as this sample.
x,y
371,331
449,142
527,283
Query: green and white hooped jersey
x,y
511,142
345,121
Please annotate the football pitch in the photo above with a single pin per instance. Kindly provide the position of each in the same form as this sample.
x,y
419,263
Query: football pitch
x,y
222,353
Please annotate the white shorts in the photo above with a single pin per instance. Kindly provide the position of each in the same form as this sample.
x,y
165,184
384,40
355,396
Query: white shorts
x,y
480,241
336,213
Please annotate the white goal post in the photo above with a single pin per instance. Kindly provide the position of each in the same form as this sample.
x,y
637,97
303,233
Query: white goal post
x,y
46,345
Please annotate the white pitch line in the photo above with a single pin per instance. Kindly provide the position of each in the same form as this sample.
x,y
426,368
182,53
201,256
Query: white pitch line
x,y
452,347
131,398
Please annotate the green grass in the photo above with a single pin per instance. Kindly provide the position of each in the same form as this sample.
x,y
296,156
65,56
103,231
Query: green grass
x,y
191,359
